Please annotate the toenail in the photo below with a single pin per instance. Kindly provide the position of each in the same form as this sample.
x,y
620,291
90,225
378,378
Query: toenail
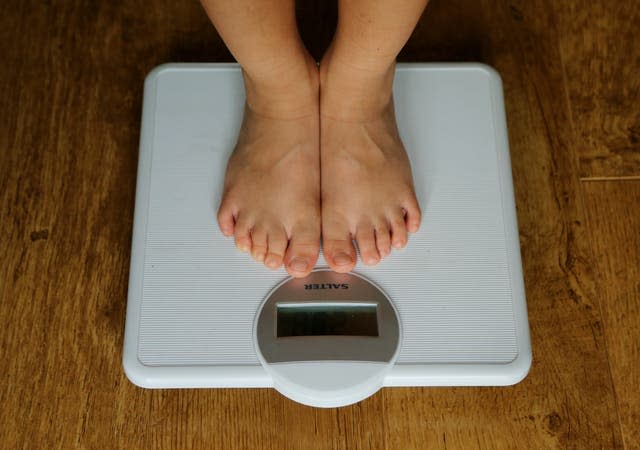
x,y
299,264
272,262
342,259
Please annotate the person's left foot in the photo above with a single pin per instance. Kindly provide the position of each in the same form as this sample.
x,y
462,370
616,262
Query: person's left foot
x,y
366,182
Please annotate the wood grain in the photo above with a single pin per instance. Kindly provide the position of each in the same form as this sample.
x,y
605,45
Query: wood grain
x,y
600,47
567,400
614,222
71,85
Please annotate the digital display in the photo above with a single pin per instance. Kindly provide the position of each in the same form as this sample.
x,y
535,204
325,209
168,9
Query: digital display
x,y
327,319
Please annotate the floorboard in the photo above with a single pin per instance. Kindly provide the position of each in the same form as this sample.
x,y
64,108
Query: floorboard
x,y
614,221
600,51
567,400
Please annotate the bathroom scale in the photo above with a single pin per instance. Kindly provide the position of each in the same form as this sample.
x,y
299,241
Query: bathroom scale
x,y
447,310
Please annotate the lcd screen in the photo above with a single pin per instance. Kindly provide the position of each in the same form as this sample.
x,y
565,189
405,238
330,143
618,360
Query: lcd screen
x,y
327,319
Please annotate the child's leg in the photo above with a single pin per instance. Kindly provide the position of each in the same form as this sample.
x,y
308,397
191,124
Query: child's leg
x,y
367,187
271,199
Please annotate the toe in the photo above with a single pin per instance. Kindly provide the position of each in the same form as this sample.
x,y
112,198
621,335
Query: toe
x,y
338,246
413,216
303,250
242,233
398,230
225,219
365,237
383,239
277,242
259,243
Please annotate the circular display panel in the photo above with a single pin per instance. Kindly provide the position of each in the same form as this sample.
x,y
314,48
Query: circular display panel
x,y
328,339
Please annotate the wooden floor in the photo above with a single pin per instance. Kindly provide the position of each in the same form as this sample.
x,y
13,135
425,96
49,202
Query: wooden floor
x,y
70,99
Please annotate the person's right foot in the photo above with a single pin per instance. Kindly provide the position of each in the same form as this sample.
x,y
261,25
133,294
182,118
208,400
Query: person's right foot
x,y
271,198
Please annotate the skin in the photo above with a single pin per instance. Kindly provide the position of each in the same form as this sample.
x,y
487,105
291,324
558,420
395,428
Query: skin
x,y
318,153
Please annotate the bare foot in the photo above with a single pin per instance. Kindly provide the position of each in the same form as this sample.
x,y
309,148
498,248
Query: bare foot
x,y
271,199
367,186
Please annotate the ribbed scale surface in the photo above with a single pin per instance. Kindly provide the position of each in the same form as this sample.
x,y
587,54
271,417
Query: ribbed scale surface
x,y
451,285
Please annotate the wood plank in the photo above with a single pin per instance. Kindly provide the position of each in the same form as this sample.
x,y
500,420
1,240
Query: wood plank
x,y
567,399
317,22
614,221
67,182
601,57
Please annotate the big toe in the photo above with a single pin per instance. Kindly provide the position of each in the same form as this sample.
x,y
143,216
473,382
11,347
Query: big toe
x,y
339,251
303,250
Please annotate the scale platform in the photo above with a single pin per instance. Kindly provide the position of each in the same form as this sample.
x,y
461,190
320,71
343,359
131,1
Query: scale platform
x,y
448,310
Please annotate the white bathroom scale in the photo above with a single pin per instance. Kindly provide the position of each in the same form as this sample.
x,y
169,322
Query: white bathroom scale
x,y
448,310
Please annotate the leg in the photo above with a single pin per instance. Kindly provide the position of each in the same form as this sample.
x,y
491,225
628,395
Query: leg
x,y
367,186
271,199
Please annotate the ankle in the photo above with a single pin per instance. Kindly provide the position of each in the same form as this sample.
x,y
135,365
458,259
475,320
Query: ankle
x,y
343,52
284,90
354,89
